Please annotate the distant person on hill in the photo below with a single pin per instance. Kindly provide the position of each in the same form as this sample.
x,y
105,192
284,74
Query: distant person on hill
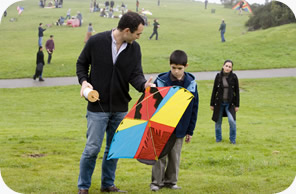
x,y
155,28
5,13
206,4
222,30
225,100
137,6
68,14
40,34
112,4
49,48
39,64
79,17
241,4
89,32
165,171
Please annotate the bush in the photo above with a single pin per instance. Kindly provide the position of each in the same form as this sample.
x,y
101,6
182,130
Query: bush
x,y
270,15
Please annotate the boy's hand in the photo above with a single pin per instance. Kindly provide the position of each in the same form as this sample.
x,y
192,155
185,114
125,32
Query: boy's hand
x,y
188,138
149,84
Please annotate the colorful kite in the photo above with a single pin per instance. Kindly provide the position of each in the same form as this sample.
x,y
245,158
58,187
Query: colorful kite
x,y
245,7
145,130
19,10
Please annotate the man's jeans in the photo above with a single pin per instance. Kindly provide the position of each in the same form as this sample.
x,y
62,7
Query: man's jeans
x,y
40,40
97,124
222,35
232,123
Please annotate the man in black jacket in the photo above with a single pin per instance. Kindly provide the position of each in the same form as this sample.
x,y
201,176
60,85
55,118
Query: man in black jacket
x,y
115,61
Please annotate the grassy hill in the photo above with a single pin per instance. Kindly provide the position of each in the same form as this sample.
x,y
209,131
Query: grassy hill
x,y
183,25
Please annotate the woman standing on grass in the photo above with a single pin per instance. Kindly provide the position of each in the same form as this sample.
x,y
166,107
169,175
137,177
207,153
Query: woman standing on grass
x,y
40,63
225,100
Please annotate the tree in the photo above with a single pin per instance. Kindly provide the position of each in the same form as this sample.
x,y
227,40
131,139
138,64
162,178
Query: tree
x,y
270,15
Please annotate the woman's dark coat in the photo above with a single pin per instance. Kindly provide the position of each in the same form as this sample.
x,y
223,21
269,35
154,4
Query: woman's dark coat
x,y
217,95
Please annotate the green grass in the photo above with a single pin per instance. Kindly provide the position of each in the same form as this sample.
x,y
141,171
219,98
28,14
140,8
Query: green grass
x,y
50,122
184,25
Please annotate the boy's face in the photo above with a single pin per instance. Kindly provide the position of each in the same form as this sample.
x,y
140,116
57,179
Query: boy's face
x,y
178,70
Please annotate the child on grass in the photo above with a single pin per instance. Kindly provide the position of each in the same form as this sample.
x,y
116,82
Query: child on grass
x,y
165,171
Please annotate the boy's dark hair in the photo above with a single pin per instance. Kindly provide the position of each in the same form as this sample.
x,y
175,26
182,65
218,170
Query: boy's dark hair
x,y
51,36
40,24
40,47
130,20
226,61
178,57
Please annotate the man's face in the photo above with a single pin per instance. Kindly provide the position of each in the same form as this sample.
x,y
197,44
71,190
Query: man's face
x,y
177,71
130,37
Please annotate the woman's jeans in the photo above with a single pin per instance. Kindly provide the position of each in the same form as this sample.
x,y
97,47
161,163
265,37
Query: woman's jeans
x,y
97,124
232,124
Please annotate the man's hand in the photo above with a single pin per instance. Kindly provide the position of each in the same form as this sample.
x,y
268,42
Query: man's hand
x,y
188,138
84,85
212,108
149,84
236,109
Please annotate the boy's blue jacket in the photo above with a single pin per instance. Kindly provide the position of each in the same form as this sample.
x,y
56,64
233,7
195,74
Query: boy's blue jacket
x,y
188,120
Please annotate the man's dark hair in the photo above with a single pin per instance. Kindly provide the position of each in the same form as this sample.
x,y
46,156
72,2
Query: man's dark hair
x,y
228,61
130,20
178,57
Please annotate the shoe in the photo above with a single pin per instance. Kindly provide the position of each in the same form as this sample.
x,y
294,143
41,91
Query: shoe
x,y
41,80
112,189
154,188
34,77
82,191
217,141
232,142
175,187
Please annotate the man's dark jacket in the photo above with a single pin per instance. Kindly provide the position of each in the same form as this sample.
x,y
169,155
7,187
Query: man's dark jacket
x,y
40,31
111,81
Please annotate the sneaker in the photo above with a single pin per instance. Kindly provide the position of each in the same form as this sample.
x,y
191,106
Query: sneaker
x,y
112,189
34,77
232,142
154,188
41,80
175,187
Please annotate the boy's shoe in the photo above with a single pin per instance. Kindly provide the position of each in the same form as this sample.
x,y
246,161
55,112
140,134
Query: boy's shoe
x,y
112,189
232,142
41,80
154,188
175,187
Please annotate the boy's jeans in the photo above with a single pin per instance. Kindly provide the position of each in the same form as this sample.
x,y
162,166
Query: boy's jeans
x,y
232,123
97,124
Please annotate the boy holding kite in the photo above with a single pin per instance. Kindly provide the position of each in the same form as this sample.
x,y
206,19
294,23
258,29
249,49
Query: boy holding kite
x,y
165,170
